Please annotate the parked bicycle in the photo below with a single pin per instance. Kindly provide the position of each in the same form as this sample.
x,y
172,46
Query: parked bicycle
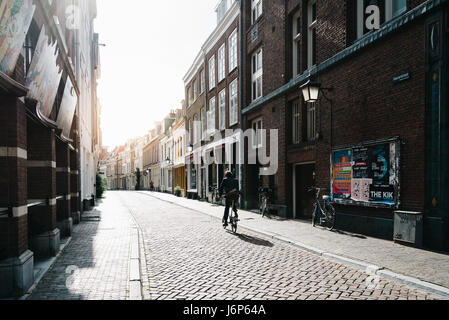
x,y
264,199
215,196
323,214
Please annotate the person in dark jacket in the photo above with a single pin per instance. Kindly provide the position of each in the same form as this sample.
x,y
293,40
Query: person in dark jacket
x,y
230,187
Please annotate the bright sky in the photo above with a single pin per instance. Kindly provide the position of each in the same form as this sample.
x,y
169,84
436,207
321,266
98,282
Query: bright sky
x,y
150,45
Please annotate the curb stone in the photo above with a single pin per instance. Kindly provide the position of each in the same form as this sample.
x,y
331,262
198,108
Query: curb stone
x,y
431,288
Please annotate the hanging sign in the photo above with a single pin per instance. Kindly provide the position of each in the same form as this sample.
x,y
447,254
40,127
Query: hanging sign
x,y
15,19
44,75
67,109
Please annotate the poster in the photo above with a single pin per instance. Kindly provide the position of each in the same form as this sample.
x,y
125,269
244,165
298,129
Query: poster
x,y
366,174
67,109
361,189
380,163
342,174
15,20
44,75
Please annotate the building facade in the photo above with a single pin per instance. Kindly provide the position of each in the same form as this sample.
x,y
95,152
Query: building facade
x,y
49,135
375,138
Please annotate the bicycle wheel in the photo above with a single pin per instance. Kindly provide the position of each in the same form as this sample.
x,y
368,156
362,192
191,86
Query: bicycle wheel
x,y
330,217
234,226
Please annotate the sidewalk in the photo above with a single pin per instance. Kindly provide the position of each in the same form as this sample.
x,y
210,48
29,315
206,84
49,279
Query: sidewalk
x,y
415,267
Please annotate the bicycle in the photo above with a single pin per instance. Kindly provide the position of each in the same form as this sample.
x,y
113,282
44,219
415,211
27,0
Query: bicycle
x,y
325,213
232,217
215,197
263,200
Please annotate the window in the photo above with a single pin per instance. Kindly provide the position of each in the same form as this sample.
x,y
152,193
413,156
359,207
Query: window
x,y
212,72
257,126
195,130
296,124
190,131
221,63
256,10
233,51
311,33
222,109
296,32
190,96
257,73
211,122
202,81
221,10
233,103
203,124
393,8
311,122
195,90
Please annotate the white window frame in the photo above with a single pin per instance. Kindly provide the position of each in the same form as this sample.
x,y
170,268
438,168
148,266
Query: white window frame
x,y
311,28
195,90
203,124
211,122
196,135
222,109
257,75
202,81
212,78
232,47
296,32
256,10
311,122
222,63
233,103
190,95
389,13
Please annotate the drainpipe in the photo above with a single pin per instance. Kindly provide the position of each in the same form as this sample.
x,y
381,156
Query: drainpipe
x,y
241,85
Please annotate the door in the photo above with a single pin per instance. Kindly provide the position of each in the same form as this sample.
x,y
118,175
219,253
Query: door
x,y
304,179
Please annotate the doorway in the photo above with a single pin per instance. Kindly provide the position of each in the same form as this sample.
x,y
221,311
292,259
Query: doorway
x,y
303,180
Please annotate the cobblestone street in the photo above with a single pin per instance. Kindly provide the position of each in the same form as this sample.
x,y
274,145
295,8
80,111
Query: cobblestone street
x,y
188,256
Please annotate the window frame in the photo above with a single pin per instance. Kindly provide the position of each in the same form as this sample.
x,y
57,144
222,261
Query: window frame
x,y
222,110
233,103
257,75
212,109
296,43
233,51
311,33
212,75
222,63
256,10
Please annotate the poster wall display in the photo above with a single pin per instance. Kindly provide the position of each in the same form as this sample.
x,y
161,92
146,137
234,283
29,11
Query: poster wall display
x,y
44,74
367,174
15,19
67,109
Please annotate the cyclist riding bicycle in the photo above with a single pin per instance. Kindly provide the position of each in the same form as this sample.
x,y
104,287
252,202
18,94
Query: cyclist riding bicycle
x,y
230,187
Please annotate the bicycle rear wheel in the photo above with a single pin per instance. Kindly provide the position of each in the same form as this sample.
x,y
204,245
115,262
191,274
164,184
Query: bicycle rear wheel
x,y
330,219
314,215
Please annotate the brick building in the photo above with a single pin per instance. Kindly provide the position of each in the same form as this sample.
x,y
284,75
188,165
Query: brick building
x,y
388,101
49,131
213,104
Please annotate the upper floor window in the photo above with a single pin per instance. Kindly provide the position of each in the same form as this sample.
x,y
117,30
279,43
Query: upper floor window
x,y
256,10
202,81
393,8
222,109
195,90
212,72
190,96
221,10
257,74
203,123
311,122
221,62
196,130
211,116
311,33
296,32
233,103
296,125
233,51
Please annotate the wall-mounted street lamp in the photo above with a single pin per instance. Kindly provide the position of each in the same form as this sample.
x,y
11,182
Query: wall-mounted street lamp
x,y
311,93
189,148
168,161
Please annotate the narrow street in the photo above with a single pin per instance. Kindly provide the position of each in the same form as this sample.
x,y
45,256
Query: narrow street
x,y
188,255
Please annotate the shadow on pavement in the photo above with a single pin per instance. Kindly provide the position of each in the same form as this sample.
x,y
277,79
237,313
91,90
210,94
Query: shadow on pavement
x,y
252,240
